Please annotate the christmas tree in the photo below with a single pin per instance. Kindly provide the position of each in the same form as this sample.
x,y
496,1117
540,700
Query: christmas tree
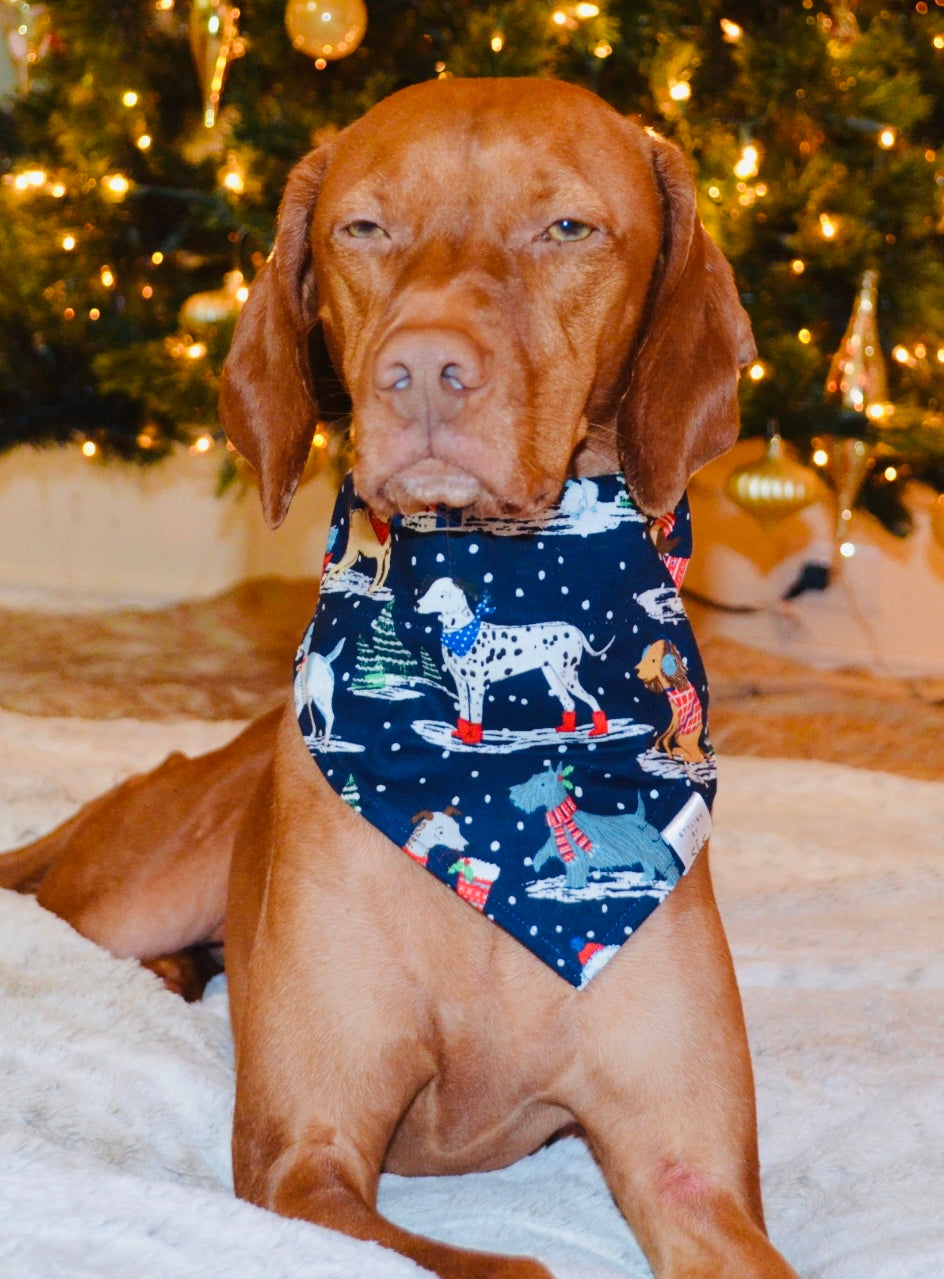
x,y
143,151
350,794
385,660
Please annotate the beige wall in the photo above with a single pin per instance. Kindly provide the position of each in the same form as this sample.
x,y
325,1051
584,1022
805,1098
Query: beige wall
x,y
79,533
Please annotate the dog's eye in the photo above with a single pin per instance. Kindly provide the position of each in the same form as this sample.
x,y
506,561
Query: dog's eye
x,y
364,230
567,229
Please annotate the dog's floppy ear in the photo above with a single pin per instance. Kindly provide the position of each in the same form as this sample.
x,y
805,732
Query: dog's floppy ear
x,y
680,408
267,398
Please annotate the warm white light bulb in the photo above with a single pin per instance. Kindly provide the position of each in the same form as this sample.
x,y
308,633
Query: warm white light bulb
x,y
749,162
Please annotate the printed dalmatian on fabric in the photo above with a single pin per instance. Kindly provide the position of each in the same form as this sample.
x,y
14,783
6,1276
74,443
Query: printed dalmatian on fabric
x,y
520,707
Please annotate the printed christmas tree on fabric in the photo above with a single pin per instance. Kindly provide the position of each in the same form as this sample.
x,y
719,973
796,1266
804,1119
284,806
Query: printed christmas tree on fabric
x,y
431,671
350,794
383,659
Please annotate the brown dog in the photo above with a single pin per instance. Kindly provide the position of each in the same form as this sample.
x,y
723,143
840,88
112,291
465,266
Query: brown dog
x,y
366,540
662,670
515,288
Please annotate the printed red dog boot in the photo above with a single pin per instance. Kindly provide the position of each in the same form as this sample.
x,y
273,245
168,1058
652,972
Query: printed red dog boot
x,y
600,725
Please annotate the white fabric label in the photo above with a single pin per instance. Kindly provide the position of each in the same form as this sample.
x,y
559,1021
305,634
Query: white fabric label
x,y
688,831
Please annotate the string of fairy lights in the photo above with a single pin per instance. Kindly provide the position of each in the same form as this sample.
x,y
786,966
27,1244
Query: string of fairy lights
x,y
326,30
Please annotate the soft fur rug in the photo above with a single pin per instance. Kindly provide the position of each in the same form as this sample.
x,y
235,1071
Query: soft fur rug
x,y
115,1096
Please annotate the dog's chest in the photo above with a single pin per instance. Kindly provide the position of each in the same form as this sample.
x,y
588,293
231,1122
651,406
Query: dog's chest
x,y
480,704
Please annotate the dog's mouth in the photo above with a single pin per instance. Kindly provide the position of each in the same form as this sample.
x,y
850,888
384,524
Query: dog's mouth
x,y
433,482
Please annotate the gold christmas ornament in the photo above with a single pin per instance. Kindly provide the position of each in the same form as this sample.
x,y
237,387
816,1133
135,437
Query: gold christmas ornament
x,y
857,372
774,487
201,310
848,462
328,29
937,520
214,42
27,35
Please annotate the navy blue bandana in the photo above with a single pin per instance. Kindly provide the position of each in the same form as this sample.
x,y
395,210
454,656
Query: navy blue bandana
x,y
520,706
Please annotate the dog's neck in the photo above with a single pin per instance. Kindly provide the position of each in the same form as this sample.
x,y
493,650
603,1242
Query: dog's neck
x,y
597,454
457,618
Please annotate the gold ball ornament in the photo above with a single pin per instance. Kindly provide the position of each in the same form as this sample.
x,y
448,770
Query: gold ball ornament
x,y
202,310
329,29
937,520
774,487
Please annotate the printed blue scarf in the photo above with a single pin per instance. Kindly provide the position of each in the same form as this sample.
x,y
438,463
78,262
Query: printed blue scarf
x,y
520,707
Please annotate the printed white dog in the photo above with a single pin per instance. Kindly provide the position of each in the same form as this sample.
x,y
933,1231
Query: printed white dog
x,y
477,653
314,684
435,830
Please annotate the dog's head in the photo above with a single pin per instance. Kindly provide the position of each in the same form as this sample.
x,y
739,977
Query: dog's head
x,y
513,285
662,666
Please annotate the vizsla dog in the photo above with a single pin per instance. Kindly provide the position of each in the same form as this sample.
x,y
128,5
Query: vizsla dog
x,y
516,291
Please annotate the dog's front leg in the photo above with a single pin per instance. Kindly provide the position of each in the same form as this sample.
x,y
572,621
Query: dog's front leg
x,y
383,568
665,740
336,1031
548,850
327,1066
477,687
669,1107
471,700
577,869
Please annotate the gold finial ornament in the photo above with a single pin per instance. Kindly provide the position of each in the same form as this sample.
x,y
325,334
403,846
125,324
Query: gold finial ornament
x,y
857,373
214,42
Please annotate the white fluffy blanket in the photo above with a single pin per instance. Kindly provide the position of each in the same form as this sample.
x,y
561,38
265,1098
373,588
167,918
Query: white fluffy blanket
x,y
115,1096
